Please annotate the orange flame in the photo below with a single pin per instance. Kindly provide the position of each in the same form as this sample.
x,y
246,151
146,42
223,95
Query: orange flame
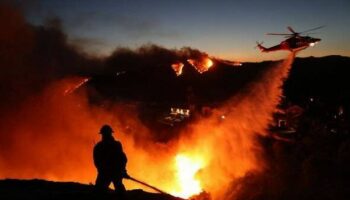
x,y
186,169
201,65
209,156
208,63
177,67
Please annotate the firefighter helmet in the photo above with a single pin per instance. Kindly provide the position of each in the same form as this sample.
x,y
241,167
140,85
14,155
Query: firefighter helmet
x,y
106,129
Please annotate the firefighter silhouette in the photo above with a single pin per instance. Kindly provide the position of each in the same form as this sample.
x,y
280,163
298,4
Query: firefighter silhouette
x,y
110,161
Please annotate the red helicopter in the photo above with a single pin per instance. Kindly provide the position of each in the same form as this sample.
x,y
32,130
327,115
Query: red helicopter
x,y
295,41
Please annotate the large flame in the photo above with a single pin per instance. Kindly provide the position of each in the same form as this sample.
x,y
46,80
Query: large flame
x,y
56,134
51,135
186,169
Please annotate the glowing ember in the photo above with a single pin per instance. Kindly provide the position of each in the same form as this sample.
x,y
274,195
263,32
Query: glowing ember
x,y
187,168
201,65
71,89
177,67
208,63
192,62
237,64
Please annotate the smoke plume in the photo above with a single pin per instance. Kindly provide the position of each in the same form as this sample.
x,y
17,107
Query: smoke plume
x,y
47,134
230,145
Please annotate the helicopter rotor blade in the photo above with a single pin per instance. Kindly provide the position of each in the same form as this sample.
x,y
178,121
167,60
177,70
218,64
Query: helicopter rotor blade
x,y
312,29
291,30
294,33
313,33
278,34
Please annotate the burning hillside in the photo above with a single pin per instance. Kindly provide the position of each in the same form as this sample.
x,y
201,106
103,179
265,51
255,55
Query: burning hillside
x,y
55,99
53,124
57,128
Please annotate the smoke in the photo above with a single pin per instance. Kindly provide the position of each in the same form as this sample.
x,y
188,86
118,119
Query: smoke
x,y
42,132
51,136
33,61
46,134
32,57
229,144
148,57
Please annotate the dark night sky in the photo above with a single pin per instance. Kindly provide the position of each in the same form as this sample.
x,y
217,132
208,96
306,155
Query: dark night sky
x,y
226,29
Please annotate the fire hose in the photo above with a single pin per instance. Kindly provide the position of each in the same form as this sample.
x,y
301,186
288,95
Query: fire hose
x,y
149,186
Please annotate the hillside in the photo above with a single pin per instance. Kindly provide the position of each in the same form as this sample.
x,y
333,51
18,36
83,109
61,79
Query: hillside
x,y
41,189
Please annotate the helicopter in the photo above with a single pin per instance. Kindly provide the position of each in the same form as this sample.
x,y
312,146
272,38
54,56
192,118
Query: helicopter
x,y
294,42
